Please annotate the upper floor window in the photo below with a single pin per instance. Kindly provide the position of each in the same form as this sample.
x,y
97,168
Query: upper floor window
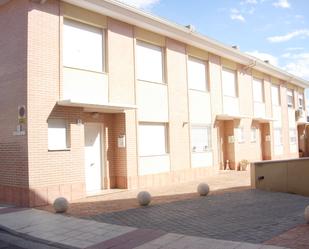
x,y
229,82
300,101
258,91
197,74
149,62
200,138
83,46
290,98
152,139
275,95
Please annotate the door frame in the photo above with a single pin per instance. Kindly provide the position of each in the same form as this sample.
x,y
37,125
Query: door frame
x,y
102,155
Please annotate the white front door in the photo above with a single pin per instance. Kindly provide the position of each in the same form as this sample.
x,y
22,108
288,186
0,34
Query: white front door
x,y
93,157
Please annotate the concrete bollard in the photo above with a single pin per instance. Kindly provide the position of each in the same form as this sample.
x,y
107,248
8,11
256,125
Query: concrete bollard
x,y
144,198
203,189
61,205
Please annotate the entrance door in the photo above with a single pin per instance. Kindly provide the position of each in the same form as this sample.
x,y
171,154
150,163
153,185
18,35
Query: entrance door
x,y
93,157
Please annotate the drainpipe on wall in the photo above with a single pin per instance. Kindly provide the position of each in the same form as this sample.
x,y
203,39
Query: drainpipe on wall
x,y
251,65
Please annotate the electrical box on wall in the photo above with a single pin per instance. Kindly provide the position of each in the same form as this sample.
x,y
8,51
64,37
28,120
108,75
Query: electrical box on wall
x,y
121,141
231,139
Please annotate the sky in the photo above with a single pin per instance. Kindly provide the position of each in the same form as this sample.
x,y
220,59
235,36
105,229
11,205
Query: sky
x,y
274,30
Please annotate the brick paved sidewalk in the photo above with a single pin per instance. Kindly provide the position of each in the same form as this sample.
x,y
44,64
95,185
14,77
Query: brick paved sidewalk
x,y
68,232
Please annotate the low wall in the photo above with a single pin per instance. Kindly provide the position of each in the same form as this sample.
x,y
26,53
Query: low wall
x,y
290,176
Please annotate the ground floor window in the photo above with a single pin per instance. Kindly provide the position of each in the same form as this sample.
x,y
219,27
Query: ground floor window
x,y
293,136
200,138
277,137
57,134
152,139
254,132
240,133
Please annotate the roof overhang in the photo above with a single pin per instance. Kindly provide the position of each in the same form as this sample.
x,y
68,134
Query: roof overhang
x,y
161,26
102,108
230,117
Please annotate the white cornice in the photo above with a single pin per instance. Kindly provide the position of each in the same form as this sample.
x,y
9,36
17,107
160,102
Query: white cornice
x,y
161,26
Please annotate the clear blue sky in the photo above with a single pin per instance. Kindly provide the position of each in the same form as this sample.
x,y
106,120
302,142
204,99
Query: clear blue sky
x,y
277,30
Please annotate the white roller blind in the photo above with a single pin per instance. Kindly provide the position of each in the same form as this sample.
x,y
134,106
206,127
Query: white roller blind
x,y
57,134
290,98
200,139
152,139
229,82
277,137
82,46
293,136
197,74
257,87
275,97
149,62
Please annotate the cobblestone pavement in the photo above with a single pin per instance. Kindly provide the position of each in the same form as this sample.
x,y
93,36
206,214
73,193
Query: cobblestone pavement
x,y
250,216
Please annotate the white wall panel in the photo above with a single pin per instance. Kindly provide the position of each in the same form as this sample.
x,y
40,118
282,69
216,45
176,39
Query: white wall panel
x,y
204,159
85,86
230,105
154,165
200,109
152,102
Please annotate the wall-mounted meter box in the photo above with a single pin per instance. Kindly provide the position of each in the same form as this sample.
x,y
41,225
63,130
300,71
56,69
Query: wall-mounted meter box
x,y
121,141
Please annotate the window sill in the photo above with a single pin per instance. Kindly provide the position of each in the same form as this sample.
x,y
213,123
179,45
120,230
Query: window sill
x,y
153,82
197,90
59,150
167,154
86,70
200,152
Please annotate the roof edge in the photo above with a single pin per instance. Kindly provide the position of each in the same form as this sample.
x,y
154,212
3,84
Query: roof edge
x,y
139,18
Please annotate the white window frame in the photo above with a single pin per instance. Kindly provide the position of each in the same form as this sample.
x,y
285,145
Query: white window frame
x,y
290,94
254,134
141,143
204,148
66,51
258,99
280,138
138,62
240,132
293,136
272,95
235,91
192,82
51,123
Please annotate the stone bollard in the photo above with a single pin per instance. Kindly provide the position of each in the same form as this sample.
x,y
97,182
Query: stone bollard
x,y
144,198
203,189
307,214
61,205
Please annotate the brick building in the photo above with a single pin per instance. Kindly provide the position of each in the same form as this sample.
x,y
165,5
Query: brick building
x,y
95,94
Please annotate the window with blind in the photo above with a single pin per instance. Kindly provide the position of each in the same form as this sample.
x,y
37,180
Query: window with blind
x,y
149,62
57,134
229,82
254,132
83,46
275,95
301,101
293,136
200,138
240,132
290,98
152,139
197,74
277,136
258,90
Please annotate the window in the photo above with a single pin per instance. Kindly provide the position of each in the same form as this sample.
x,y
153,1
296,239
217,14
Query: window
x,y
277,137
57,134
152,139
300,101
197,73
229,82
290,98
275,95
200,138
82,46
254,134
240,132
149,62
258,92
293,136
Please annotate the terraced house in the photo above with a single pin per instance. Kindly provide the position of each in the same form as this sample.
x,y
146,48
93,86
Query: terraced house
x,y
95,94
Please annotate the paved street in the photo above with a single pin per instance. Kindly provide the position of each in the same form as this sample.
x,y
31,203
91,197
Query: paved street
x,y
251,216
